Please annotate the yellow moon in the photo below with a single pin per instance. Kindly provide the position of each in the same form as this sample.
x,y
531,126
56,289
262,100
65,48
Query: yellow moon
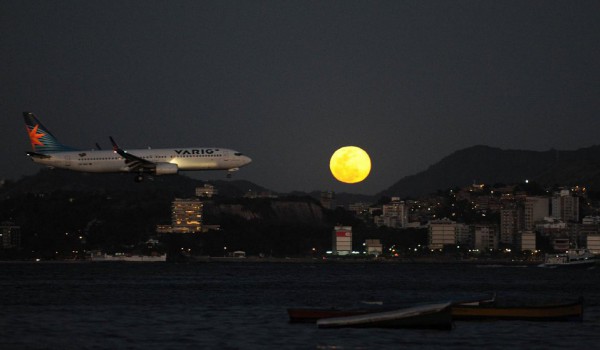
x,y
350,164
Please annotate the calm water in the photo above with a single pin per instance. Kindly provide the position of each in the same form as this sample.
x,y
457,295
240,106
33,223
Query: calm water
x,y
243,305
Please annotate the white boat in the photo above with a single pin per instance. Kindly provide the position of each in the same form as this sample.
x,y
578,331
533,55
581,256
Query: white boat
x,y
423,316
582,258
127,257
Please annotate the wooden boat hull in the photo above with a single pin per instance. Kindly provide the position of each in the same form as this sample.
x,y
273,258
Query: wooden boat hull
x,y
311,315
462,312
562,312
433,316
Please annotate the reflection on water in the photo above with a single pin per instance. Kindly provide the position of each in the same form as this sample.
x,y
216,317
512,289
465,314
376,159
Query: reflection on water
x,y
243,305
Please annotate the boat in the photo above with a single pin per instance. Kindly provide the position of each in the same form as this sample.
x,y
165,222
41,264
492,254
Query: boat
x,y
572,311
467,310
433,316
99,256
312,315
573,258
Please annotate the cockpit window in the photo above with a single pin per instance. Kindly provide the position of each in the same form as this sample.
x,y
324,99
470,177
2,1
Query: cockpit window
x,y
238,154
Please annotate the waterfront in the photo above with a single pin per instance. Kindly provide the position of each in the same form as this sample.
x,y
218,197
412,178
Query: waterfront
x,y
243,305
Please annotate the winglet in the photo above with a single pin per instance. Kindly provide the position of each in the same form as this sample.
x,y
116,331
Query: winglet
x,y
116,147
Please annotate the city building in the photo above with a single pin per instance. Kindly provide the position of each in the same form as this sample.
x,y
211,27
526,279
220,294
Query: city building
x,y
464,235
206,191
536,209
394,214
527,241
593,243
485,237
589,231
552,228
186,217
441,233
359,208
373,247
510,222
565,206
342,240
591,220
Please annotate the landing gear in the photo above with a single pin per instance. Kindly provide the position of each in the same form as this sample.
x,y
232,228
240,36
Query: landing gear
x,y
139,178
230,171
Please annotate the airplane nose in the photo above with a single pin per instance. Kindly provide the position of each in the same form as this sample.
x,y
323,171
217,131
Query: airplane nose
x,y
247,160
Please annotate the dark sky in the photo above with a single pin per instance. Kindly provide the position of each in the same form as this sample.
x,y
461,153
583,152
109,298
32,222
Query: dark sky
x,y
289,82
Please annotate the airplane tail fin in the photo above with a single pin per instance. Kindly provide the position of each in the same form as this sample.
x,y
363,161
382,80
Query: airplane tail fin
x,y
41,138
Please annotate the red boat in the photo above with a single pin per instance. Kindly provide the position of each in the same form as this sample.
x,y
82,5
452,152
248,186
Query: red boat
x,y
572,311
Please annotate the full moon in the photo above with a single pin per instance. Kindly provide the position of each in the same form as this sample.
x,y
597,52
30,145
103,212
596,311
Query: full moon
x,y
350,164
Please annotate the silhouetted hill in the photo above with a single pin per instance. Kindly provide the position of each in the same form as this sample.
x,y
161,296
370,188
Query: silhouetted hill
x,y
483,164
51,180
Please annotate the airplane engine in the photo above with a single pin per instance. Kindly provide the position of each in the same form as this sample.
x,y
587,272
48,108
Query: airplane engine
x,y
166,168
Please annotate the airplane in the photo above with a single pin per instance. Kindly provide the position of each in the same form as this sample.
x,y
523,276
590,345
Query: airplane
x,y
47,150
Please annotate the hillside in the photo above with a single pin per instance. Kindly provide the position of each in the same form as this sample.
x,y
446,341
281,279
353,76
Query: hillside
x,y
50,180
110,212
483,164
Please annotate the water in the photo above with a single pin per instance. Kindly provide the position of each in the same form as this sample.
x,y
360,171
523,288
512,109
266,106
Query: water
x,y
243,305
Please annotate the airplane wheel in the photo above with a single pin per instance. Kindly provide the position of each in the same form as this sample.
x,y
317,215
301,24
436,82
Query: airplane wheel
x,y
139,178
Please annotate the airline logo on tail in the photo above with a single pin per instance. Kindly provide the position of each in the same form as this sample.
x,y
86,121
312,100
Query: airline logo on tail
x,y
41,139
34,137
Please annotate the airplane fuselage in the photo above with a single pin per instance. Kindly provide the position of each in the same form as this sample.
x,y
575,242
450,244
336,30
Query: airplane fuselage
x,y
180,159
47,150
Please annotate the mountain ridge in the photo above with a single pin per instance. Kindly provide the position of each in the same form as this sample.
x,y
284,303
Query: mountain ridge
x,y
490,165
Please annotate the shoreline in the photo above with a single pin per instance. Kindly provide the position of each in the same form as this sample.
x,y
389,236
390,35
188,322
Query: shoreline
x,y
251,259
370,261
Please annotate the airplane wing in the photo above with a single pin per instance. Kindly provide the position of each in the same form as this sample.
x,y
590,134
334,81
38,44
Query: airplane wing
x,y
133,162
